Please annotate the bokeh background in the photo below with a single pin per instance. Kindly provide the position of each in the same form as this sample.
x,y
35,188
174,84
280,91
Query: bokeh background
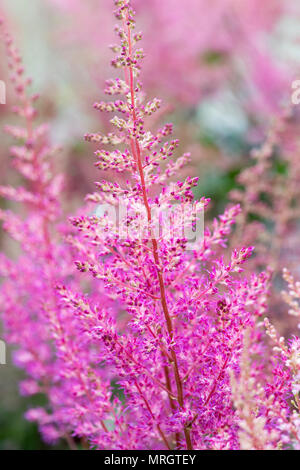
x,y
224,69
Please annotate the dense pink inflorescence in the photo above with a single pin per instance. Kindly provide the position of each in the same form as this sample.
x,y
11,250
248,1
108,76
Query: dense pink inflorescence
x,y
198,48
156,341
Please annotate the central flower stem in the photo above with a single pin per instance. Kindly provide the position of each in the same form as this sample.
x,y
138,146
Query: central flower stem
x,y
136,151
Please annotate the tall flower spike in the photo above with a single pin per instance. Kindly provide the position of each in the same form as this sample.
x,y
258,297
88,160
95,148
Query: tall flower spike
x,y
168,296
144,359
34,320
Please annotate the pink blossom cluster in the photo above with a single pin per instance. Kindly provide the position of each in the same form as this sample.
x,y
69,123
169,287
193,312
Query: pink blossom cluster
x,y
198,48
149,343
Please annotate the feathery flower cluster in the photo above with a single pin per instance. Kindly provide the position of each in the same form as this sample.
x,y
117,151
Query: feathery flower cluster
x,y
46,336
266,397
269,193
186,310
224,42
143,346
26,289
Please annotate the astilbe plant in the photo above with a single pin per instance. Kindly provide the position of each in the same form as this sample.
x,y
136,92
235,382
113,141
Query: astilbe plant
x,y
268,193
46,336
163,318
26,288
186,310
225,42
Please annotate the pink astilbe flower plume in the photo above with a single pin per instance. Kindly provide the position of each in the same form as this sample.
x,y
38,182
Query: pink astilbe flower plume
x,y
215,43
268,195
266,395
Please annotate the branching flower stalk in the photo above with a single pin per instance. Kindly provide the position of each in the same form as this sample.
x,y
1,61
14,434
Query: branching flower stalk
x,y
142,161
143,345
